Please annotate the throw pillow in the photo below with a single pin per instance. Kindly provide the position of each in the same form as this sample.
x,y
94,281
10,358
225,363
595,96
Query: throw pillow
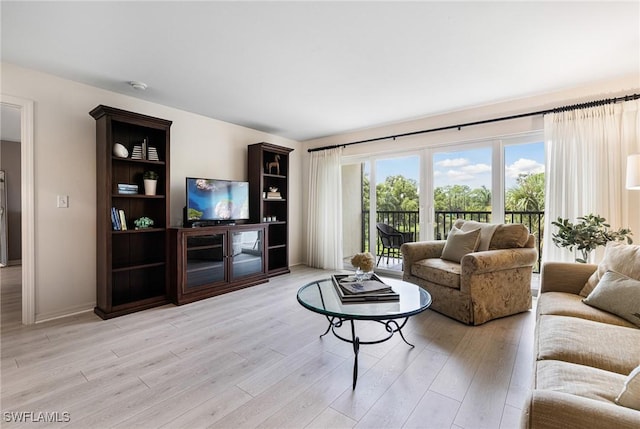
x,y
486,232
619,257
630,395
459,243
617,294
508,236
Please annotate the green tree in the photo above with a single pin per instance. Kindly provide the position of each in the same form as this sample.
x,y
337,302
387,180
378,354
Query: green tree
x,y
527,195
480,199
397,193
365,191
452,198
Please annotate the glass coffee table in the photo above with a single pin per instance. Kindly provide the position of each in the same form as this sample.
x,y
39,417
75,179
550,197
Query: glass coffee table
x,y
321,297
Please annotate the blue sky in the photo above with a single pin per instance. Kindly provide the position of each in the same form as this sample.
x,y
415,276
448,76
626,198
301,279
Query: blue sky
x,y
468,167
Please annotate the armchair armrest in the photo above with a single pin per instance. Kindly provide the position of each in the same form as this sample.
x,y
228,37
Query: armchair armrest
x,y
498,260
416,251
567,277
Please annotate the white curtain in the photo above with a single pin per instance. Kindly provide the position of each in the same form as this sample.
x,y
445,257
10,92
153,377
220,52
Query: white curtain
x,y
324,241
586,151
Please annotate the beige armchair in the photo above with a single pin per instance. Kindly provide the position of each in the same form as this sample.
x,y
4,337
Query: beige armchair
x,y
493,281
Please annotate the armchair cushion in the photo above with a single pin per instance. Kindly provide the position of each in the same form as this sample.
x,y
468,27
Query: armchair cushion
x,y
459,243
438,271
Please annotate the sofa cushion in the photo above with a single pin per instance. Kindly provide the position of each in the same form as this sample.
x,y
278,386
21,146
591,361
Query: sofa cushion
x,y
459,243
486,231
585,342
619,257
617,294
508,236
439,271
585,381
570,304
630,395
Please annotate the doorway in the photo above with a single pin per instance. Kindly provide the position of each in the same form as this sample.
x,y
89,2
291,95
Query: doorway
x,y
380,195
23,109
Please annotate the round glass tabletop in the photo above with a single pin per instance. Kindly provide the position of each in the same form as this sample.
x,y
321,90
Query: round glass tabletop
x,y
321,297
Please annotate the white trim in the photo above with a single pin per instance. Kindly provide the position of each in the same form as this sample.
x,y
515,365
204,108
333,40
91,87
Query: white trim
x,y
65,313
28,204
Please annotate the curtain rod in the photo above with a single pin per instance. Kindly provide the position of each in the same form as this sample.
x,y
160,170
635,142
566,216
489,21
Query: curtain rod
x,y
488,121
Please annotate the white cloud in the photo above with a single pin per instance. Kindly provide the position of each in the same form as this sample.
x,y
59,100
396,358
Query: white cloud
x,y
459,176
523,166
476,168
453,162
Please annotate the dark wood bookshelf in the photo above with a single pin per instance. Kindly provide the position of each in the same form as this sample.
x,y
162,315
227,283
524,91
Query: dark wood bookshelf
x,y
261,208
132,265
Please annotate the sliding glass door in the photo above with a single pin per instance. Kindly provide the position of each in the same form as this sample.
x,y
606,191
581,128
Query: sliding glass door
x,y
380,196
418,195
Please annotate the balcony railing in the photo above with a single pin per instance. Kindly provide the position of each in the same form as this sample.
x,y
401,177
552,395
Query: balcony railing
x,y
408,221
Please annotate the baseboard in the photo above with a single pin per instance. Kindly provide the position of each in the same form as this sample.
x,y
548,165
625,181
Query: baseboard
x,y
46,317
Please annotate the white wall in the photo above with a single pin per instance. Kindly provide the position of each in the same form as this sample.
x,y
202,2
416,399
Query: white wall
x,y
598,90
65,163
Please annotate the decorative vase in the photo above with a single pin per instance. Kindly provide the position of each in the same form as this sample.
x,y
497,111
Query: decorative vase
x,y
150,186
362,275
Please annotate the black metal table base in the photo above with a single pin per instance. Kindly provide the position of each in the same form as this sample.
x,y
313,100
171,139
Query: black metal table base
x,y
391,326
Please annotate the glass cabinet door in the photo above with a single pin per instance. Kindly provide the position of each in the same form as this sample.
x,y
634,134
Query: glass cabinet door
x,y
205,261
247,258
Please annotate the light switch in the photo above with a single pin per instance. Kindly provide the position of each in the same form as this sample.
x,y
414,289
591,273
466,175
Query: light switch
x,y
63,201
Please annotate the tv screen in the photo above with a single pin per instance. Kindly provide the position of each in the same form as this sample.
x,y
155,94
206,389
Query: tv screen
x,y
217,200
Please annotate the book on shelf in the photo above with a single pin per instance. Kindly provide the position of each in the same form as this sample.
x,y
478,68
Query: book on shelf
x,y
127,189
274,196
137,152
153,154
118,220
350,290
115,219
123,220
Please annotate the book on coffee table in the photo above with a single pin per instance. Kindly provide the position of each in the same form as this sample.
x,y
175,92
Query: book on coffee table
x,y
350,290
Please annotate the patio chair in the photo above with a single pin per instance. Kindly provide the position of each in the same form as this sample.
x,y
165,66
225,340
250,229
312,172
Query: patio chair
x,y
391,240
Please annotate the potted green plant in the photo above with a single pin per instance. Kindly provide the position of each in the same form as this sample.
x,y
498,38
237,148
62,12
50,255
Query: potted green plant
x,y
150,178
143,222
586,235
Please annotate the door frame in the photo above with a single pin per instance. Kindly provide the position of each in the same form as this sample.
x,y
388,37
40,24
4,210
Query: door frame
x,y
27,179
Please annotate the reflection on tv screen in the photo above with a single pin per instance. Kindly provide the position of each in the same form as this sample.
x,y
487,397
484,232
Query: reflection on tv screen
x,y
213,199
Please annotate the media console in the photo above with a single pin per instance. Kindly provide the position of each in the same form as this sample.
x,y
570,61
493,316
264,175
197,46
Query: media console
x,y
212,260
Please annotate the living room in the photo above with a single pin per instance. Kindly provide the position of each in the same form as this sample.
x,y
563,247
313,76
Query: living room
x,y
62,265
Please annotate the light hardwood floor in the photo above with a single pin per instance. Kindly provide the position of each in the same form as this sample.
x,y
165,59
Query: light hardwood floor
x,y
253,359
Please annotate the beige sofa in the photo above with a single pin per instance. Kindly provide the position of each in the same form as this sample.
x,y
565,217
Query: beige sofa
x,y
485,284
583,357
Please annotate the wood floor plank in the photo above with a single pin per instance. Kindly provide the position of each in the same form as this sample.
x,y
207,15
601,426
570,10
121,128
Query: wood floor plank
x,y
459,371
253,359
373,383
398,402
187,403
331,419
433,411
489,386
273,399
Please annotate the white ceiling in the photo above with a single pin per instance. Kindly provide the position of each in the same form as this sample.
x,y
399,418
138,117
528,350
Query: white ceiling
x,y
309,69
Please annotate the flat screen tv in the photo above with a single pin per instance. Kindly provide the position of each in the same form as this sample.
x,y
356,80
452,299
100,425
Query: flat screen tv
x,y
215,200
